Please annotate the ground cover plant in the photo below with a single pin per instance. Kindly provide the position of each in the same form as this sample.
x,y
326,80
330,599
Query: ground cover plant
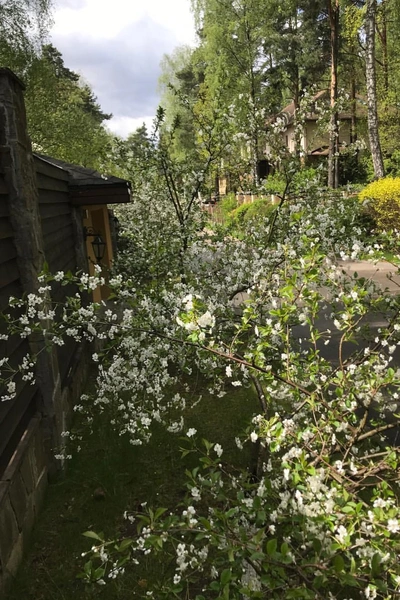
x,y
104,480
315,514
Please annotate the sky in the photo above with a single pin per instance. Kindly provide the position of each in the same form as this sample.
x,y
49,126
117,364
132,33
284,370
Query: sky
x,y
117,46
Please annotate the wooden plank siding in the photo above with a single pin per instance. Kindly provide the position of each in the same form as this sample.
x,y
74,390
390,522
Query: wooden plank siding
x,y
50,226
51,183
14,418
59,247
14,414
56,216
59,240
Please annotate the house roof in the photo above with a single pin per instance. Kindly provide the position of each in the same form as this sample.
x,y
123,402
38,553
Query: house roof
x,y
88,186
289,110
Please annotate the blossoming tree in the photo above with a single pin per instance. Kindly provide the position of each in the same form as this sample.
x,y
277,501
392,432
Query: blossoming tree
x,y
317,516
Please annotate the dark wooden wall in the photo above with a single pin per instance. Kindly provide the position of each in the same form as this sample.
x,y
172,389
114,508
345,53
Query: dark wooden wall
x,y
14,414
57,221
56,214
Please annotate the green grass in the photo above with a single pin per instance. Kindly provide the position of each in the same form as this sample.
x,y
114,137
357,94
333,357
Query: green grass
x,y
126,475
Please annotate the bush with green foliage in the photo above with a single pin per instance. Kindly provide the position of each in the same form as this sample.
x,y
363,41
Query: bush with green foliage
x,y
227,204
383,202
244,213
275,184
302,178
392,164
353,170
365,161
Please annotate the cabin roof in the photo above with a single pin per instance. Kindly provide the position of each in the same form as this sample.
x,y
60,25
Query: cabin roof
x,y
88,186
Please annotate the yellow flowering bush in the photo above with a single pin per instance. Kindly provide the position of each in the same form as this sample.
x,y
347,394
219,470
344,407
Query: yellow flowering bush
x,y
383,197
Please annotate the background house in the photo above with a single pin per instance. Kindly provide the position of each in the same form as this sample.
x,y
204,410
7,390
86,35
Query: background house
x,y
314,141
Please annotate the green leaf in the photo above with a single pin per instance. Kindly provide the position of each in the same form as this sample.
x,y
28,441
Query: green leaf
x,y
226,576
257,556
207,444
205,523
381,585
214,585
338,563
92,535
160,511
347,579
318,581
98,573
88,567
271,546
353,566
376,564
259,536
124,545
317,546
348,510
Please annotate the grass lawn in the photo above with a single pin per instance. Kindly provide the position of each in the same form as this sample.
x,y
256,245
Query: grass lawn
x,y
109,476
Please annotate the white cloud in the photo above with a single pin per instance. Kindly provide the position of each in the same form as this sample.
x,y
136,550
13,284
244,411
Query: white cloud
x,y
101,19
123,126
117,48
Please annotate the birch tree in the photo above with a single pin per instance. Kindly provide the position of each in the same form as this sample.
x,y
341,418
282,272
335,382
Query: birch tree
x,y
373,131
23,28
333,158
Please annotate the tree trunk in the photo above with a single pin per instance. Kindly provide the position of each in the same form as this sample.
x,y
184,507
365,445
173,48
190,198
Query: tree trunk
x,y
333,157
296,99
353,99
382,32
373,130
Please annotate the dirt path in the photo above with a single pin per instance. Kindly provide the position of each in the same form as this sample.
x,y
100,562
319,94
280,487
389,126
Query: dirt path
x,y
381,272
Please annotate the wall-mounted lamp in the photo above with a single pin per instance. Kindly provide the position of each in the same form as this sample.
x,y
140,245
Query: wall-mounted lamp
x,y
98,244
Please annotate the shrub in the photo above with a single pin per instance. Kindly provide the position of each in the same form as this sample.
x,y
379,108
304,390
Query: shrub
x,y
228,204
383,198
274,184
236,217
304,177
353,170
392,164
366,164
259,208
244,213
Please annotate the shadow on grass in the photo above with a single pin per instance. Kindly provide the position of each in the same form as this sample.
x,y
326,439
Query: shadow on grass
x,y
109,476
